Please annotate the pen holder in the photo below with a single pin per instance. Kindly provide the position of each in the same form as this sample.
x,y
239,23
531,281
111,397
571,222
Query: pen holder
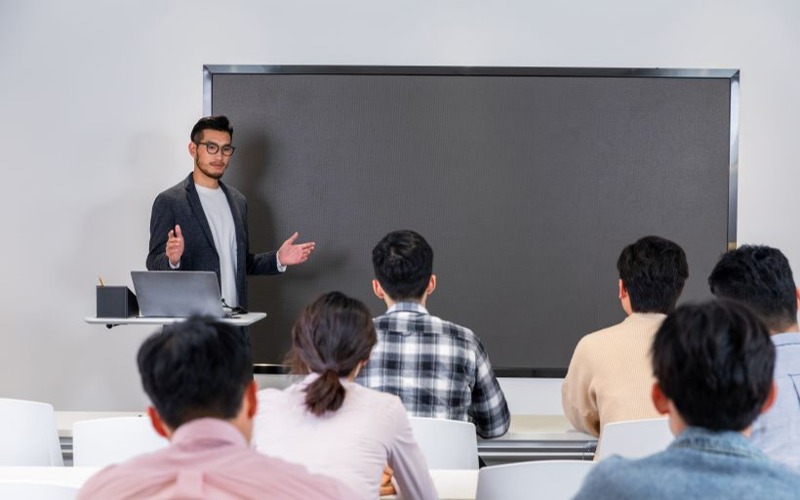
x,y
116,302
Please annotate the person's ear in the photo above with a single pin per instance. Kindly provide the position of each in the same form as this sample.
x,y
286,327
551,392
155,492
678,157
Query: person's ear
x,y
378,290
251,399
158,424
773,393
797,293
623,292
431,285
192,149
660,400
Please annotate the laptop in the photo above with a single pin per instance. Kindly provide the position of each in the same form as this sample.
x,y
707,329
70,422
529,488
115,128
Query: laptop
x,y
177,294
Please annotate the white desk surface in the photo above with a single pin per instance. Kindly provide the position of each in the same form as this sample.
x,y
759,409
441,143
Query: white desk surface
x,y
541,428
451,484
523,427
63,476
238,320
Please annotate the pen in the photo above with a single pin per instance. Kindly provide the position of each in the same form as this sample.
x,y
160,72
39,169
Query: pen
x,y
102,283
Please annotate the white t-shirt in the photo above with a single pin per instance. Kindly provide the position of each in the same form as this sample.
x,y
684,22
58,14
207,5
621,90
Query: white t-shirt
x,y
220,219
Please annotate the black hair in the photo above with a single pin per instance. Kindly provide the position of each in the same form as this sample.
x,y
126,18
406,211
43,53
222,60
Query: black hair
x,y
715,362
403,263
653,271
331,337
196,368
220,123
760,277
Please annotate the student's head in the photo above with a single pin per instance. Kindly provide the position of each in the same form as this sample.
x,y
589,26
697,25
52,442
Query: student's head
x,y
403,263
332,337
194,369
760,277
653,271
714,361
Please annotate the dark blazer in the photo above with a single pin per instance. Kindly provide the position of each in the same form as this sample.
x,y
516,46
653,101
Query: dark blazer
x,y
180,204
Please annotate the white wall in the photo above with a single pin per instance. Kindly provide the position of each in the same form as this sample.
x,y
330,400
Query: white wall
x,y
97,98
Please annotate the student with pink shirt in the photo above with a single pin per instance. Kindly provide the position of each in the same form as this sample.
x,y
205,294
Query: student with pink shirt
x,y
198,375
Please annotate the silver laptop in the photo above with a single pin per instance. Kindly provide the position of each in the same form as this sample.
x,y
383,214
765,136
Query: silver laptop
x,y
177,294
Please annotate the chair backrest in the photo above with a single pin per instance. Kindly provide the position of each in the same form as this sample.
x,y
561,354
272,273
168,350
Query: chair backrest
x,y
21,490
104,441
28,434
446,444
634,438
551,479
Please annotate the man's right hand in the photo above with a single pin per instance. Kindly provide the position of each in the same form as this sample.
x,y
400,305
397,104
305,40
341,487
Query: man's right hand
x,y
175,246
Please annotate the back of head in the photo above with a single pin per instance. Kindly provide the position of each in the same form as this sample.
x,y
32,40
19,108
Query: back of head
x,y
760,277
331,337
220,123
653,271
715,362
194,369
403,263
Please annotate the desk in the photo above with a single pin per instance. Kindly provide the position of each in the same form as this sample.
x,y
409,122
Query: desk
x,y
238,320
451,484
538,437
62,476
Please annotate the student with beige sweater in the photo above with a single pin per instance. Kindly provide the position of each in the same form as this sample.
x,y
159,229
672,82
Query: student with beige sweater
x,y
610,377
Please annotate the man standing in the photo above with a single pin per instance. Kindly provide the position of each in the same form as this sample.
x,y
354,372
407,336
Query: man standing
x,y
198,375
713,366
760,277
437,368
609,377
201,223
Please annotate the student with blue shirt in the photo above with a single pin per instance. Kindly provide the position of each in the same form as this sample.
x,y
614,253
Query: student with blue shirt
x,y
713,365
760,277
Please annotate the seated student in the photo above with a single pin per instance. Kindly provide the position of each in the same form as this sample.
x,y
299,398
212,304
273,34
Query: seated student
x,y
199,377
713,365
329,423
760,277
609,377
437,368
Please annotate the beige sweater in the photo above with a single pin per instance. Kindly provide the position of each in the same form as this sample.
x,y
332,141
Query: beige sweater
x,y
610,377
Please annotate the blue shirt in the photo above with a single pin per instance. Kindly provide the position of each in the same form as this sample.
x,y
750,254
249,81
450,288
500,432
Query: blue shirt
x,y
699,464
777,432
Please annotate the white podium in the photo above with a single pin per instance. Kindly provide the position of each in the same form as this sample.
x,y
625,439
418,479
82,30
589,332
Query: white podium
x,y
236,319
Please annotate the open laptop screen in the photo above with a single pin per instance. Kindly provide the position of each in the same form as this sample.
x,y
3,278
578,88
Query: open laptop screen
x,y
177,293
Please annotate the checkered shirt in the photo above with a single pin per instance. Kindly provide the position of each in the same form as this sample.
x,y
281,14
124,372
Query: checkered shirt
x,y
437,368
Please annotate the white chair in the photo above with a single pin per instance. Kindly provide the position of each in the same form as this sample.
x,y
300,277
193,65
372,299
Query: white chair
x,y
28,434
550,479
446,444
20,490
634,438
104,441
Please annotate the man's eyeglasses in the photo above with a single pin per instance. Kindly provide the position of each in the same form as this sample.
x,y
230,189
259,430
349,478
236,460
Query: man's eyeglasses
x,y
213,147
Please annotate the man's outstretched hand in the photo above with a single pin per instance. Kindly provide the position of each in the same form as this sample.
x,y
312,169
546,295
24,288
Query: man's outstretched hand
x,y
290,253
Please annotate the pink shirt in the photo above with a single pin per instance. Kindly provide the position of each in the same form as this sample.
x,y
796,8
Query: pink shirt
x,y
209,458
352,444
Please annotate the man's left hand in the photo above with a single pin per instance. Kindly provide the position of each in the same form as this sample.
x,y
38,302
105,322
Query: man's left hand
x,y
290,253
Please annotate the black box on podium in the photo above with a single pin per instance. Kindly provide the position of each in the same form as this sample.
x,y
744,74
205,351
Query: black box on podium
x,y
116,302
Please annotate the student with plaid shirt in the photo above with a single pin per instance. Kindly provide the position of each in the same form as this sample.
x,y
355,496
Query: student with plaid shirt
x,y
437,368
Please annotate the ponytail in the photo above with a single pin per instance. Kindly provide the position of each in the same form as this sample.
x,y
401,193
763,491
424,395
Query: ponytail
x,y
325,394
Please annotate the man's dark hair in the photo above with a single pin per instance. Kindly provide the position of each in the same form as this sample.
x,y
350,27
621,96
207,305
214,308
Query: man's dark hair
x,y
760,277
331,337
194,369
653,271
403,263
715,362
219,122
